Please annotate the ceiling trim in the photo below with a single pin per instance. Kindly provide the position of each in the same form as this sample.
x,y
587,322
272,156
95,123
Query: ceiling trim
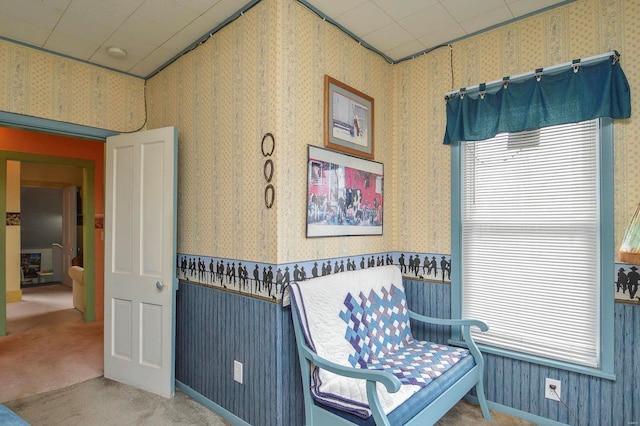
x,y
493,27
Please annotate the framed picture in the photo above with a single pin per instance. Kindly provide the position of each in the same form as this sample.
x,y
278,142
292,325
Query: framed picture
x,y
13,219
348,119
344,194
30,264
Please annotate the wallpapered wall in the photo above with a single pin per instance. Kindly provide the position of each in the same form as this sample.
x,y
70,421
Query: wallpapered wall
x,y
310,49
39,84
264,73
223,96
579,29
255,77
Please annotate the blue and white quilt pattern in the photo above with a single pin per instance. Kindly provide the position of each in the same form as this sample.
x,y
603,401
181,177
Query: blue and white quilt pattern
x,y
376,324
378,330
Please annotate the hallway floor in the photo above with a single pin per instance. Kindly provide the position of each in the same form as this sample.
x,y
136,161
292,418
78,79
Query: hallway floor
x,y
48,345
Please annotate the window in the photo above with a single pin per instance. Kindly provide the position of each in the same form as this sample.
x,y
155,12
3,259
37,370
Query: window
x,y
529,241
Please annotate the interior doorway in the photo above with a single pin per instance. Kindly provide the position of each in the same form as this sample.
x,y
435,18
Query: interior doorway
x,y
84,333
87,155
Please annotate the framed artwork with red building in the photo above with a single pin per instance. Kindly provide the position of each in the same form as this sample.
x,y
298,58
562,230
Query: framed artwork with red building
x,y
344,194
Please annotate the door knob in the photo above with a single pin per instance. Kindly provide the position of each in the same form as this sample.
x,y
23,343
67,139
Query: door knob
x,y
159,285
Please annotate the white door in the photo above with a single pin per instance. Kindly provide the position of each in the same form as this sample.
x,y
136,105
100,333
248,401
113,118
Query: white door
x,y
140,257
69,229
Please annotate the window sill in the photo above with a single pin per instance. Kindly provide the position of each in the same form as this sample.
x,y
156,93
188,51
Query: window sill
x,y
560,365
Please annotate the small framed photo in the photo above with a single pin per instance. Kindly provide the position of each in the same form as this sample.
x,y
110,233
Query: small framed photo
x,y
348,119
344,194
13,219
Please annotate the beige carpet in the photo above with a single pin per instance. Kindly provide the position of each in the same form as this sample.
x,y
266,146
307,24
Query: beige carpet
x,y
102,401
105,402
48,346
37,302
464,413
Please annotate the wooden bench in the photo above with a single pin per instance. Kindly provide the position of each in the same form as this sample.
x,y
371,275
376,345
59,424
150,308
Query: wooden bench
x,y
360,363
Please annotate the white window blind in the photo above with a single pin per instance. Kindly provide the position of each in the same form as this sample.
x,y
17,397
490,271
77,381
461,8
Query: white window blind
x,y
530,241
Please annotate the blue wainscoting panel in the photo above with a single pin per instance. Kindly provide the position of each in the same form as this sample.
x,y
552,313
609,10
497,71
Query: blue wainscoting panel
x,y
430,299
293,403
520,384
214,328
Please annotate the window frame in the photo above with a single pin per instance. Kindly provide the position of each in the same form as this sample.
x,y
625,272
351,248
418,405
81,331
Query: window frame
x,y
607,253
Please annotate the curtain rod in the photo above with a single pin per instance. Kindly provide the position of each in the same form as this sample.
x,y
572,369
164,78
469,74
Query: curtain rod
x,y
523,76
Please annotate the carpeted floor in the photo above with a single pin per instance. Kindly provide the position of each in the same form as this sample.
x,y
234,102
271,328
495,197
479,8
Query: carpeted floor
x,y
466,414
102,401
48,346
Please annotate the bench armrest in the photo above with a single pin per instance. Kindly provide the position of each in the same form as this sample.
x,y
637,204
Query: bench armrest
x,y
391,382
447,321
465,324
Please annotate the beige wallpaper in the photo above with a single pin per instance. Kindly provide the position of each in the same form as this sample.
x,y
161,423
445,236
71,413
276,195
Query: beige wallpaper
x,y
264,73
421,162
222,96
311,48
579,29
39,84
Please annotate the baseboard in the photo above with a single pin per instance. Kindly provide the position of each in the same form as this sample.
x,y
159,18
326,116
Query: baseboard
x,y
14,296
222,412
516,413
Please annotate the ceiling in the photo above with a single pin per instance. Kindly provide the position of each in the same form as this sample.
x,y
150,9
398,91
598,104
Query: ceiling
x,y
154,32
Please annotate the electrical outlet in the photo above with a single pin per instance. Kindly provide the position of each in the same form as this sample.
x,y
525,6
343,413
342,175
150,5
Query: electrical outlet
x,y
552,389
237,371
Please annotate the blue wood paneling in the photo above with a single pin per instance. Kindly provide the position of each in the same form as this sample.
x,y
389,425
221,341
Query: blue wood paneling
x,y
214,328
520,385
431,299
293,403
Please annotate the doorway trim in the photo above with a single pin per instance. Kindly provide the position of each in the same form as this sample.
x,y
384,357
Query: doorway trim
x,y
37,124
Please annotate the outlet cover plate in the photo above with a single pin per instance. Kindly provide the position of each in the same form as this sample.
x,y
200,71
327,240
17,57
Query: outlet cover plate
x,y
237,371
548,392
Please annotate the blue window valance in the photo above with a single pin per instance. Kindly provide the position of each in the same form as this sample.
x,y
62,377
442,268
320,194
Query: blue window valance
x,y
578,93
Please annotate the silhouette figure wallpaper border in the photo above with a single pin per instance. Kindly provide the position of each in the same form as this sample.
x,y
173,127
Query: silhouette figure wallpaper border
x,y
626,283
266,281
